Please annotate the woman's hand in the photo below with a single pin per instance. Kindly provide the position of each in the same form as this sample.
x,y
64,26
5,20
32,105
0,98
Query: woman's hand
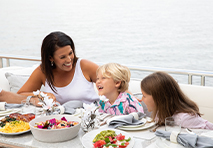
x,y
36,98
51,96
36,101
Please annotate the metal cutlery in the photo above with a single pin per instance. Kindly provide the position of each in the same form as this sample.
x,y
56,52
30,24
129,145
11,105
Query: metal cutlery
x,y
190,131
103,119
154,129
103,116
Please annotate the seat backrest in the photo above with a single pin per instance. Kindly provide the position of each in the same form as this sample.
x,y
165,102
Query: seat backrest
x,y
13,78
203,96
135,86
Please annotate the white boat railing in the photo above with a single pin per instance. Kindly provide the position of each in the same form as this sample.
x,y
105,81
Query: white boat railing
x,y
190,73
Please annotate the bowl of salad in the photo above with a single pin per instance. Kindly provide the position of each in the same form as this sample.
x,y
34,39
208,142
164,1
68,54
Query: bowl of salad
x,y
55,128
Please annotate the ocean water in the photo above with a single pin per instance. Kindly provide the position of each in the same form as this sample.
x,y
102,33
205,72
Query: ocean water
x,y
165,33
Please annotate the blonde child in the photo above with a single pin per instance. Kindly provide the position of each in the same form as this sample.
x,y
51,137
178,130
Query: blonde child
x,y
112,82
163,97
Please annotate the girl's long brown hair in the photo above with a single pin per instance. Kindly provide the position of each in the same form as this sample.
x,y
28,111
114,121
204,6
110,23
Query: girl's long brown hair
x,y
168,97
50,44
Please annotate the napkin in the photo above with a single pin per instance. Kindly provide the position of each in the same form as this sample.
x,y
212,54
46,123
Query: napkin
x,y
10,106
4,106
70,107
188,140
125,120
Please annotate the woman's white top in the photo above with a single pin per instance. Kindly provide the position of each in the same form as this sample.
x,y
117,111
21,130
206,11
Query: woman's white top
x,y
78,89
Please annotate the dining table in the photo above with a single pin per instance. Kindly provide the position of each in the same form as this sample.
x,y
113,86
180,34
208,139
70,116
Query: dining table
x,y
143,138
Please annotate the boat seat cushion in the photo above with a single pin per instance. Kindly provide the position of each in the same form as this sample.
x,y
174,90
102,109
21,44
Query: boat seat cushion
x,y
16,81
12,78
203,96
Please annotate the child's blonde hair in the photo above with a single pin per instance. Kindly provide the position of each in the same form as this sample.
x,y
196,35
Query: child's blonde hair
x,y
118,73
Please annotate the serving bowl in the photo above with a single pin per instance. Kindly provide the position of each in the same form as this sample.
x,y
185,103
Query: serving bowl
x,y
55,135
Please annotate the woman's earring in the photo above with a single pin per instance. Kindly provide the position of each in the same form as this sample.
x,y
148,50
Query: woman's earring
x,y
51,63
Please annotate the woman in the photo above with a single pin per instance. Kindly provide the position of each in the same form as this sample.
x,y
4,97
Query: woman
x,y
62,73
164,98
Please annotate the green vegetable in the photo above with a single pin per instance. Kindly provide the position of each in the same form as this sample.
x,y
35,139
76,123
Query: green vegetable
x,y
2,124
107,140
103,134
128,139
113,145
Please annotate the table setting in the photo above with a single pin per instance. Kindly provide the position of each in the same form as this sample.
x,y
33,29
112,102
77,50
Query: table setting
x,y
72,110
175,136
137,126
133,125
37,137
6,109
187,140
15,117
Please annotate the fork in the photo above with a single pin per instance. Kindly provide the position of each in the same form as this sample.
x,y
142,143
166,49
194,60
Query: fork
x,y
154,129
190,131
104,116
104,121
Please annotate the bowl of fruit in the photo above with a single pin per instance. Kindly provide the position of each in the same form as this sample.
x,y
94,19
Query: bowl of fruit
x,y
55,128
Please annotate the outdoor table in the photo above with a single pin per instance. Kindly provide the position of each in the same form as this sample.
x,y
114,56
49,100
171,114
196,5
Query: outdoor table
x,y
143,139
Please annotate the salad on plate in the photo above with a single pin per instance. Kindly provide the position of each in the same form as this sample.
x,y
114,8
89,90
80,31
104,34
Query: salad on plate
x,y
109,139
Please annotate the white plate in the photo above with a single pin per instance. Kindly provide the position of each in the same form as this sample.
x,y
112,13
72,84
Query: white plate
x,y
146,126
208,134
163,143
9,111
6,111
88,137
129,126
78,112
134,126
12,134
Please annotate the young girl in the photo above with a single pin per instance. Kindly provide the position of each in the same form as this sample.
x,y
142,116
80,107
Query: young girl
x,y
163,96
112,82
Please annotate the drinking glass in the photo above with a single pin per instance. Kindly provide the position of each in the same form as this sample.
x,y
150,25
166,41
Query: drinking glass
x,y
172,124
28,107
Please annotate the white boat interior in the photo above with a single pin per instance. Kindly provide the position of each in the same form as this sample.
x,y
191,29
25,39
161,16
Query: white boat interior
x,y
13,77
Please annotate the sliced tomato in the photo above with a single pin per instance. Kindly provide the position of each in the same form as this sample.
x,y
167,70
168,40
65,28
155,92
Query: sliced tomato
x,y
120,137
99,144
112,140
125,145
